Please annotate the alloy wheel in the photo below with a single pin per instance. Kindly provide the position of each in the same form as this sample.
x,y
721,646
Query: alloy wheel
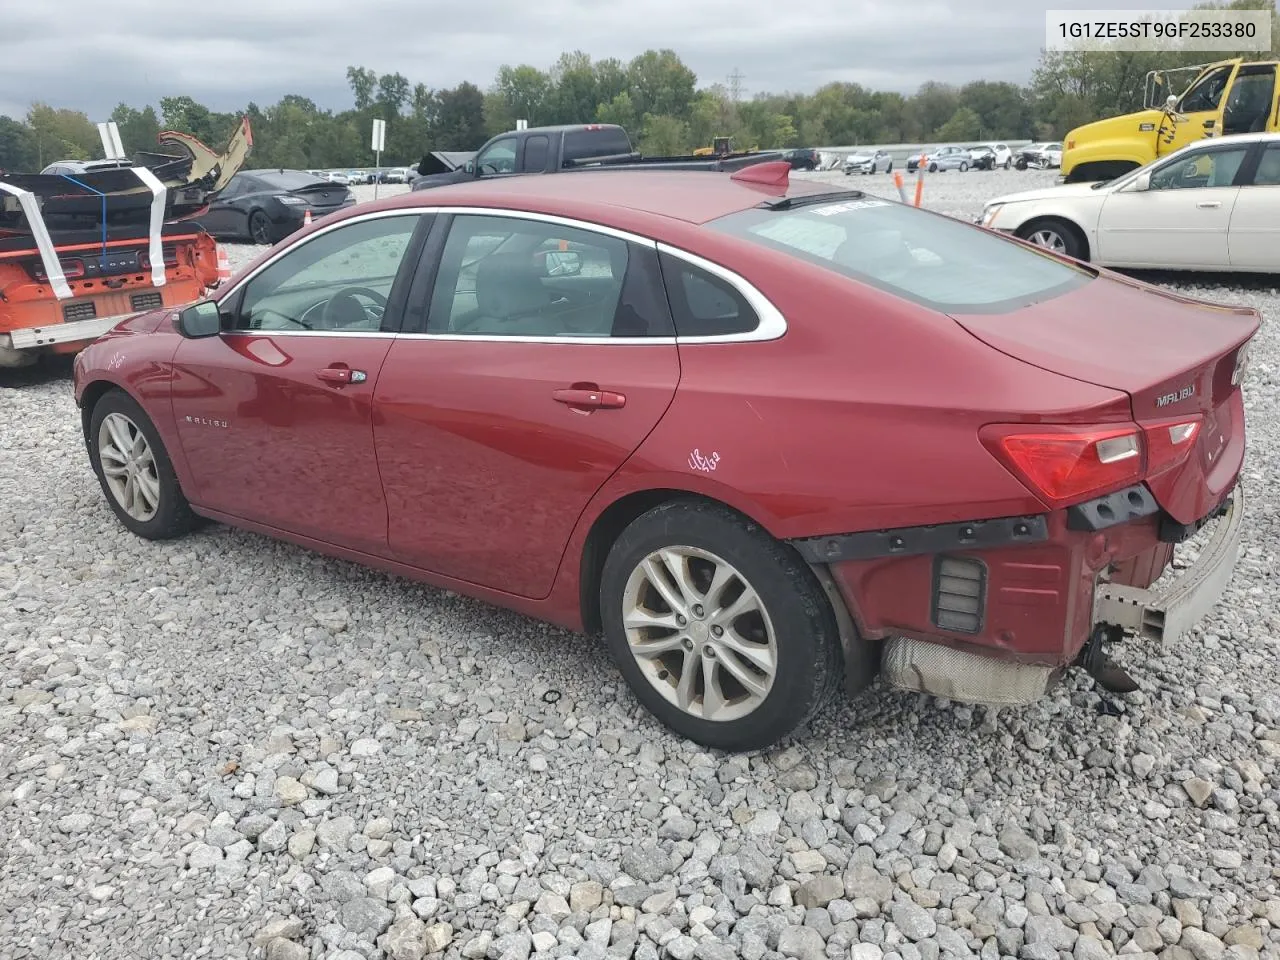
x,y
129,466
700,633
1049,239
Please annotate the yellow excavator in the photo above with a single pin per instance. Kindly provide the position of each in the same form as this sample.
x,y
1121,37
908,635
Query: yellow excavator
x,y
1225,98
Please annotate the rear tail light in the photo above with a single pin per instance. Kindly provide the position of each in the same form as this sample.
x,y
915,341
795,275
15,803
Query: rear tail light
x,y
1242,363
1068,464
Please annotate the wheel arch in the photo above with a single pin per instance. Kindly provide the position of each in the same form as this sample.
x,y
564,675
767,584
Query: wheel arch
x,y
608,526
1069,222
94,391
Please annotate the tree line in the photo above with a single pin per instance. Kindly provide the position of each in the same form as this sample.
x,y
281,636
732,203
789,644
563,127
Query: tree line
x,y
655,96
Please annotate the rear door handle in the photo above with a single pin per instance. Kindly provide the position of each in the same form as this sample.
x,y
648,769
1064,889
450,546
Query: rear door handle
x,y
590,398
341,374
1205,204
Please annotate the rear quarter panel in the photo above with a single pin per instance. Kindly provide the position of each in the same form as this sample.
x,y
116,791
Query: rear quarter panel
x,y
864,415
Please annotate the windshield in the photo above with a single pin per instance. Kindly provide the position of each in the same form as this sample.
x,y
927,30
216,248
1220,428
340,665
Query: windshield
x,y
928,258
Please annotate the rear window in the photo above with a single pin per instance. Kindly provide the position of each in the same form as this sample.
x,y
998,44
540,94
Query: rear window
x,y
580,144
927,258
288,179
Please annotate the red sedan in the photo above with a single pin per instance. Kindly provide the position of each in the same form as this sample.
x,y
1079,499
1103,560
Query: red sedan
x,y
763,436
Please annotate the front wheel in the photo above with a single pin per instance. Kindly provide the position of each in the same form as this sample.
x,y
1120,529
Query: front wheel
x,y
963,166
134,470
1056,235
721,632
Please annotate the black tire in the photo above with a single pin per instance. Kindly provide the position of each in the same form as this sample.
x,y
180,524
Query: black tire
x,y
1006,164
260,228
964,166
173,516
889,168
1073,242
808,666
933,168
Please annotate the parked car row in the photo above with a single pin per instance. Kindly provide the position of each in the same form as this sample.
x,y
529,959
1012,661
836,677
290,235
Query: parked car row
x,y
985,156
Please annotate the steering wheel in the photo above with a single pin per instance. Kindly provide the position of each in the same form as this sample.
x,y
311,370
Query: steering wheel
x,y
379,302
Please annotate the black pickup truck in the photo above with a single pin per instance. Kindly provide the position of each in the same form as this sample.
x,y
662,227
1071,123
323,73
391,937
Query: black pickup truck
x,y
583,146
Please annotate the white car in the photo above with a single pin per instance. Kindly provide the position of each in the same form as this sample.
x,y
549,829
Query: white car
x,y
1212,205
1004,155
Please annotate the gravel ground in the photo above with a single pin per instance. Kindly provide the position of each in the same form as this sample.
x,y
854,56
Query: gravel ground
x,y
230,747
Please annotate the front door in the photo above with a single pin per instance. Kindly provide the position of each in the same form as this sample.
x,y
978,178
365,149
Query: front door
x,y
1255,221
1181,219
546,357
275,414
1199,111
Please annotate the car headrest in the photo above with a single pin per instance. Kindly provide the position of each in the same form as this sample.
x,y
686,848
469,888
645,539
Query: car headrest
x,y
508,285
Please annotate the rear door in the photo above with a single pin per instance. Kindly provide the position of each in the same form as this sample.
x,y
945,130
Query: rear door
x,y
1255,221
1181,220
543,357
275,414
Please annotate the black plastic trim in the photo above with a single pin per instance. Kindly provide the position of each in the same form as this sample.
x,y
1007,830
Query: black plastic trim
x,y
1113,509
935,590
913,541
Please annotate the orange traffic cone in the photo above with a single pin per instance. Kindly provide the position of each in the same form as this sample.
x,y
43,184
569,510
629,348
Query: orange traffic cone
x,y
306,218
224,265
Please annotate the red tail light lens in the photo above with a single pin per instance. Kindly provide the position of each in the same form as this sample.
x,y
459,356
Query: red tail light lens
x,y
1170,443
1070,464
1067,464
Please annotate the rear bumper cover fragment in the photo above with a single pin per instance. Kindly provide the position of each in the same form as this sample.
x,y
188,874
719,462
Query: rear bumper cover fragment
x,y
30,337
1165,613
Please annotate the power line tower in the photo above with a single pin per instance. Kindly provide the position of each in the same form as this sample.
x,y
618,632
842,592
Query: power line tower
x,y
735,84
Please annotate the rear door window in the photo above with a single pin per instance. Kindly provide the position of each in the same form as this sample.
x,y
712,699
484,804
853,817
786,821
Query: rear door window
x,y
535,153
703,305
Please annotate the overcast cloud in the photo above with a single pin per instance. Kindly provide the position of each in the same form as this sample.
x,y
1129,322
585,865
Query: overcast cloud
x,y
226,53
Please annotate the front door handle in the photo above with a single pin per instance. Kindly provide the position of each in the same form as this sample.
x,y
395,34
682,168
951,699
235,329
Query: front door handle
x,y
1207,204
590,398
341,374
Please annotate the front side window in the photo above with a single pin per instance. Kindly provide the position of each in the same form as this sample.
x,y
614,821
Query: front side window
x,y
511,276
1207,93
1211,168
499,158
340,280
930,259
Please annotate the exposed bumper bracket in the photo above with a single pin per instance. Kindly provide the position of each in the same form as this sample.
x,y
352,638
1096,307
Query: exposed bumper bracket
x,y
1165,614
76,330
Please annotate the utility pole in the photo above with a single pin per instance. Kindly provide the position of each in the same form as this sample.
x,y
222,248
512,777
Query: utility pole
x,y
735,84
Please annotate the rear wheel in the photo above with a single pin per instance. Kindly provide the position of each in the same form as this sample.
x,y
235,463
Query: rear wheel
x,y
260,228
933,168
1056,235
889,168
964,166
134,470
721,632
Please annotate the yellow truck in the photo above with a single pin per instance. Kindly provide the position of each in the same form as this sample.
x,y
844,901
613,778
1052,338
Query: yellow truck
x,y
1227,97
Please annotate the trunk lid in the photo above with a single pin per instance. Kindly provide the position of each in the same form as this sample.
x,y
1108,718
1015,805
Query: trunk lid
x,y
1174,356
322,194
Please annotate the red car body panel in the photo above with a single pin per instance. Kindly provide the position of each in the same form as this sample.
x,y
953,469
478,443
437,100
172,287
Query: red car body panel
x,y
462,423
454,465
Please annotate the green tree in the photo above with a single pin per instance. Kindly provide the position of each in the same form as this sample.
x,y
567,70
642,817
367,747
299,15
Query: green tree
x,y
619,110
139,129
393,93
62,134
459,123
663,136
661,84
964,124
363,83
18,150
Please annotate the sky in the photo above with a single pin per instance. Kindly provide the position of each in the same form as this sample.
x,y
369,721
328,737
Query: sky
x,y
90,56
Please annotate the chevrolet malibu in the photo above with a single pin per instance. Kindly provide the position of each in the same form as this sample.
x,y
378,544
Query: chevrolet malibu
x,y
763,437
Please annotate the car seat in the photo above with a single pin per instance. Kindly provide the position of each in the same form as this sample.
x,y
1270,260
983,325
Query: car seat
x,y
508,288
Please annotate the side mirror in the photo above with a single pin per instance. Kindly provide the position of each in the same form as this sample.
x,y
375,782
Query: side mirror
x,y
200,320
1142,182
1171,101
470,167
562,263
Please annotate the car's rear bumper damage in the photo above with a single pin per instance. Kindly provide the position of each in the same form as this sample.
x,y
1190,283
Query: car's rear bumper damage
x,y
991,612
